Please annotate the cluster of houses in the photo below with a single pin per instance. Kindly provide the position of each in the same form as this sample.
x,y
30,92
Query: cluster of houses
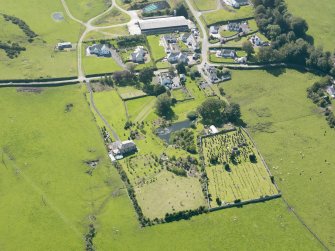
x,y
236,3
119,149
256,41
174,54
100,50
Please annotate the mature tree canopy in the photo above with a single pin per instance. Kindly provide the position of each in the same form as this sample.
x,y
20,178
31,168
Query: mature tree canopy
x,y
248,47
146,75
211,111
163,105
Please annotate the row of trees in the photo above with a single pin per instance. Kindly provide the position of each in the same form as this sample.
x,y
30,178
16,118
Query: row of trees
x,y
22,25
289,42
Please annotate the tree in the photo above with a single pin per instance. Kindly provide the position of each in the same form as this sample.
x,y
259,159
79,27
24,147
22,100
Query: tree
x,y
163,105
211,111
146,75
299,26
192,115
181,68
182,11
248,47
233,112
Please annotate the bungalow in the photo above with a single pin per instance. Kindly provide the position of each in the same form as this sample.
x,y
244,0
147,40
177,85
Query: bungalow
x,y
211,73
331,91
238,27
166,80
101,50
214,29
177,57
64,45
193,43
138,56
226,53
237,3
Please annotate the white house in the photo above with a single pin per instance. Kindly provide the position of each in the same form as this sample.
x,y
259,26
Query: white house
x,y
331,91
138,56
101,50
213,129
121,148
180,57
226,53
214,29
255,40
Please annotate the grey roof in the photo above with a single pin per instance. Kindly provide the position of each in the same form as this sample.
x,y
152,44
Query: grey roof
x,y
159,23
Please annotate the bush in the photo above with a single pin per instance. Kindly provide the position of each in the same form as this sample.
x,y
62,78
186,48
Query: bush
x,y
192,115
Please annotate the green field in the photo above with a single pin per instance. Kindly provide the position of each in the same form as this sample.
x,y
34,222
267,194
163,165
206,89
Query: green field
x,y
46,193
39,60
114,16
157,51
318,14
225,15
129,92
108,33
294,139
238,179
86,9
138,109
159,191
202,5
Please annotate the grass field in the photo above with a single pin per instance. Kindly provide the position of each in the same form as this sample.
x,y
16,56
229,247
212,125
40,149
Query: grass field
x,y
111,106
86,9
39,60
294,139
108,33
44,183
157,51
225,15
139,108
128,92
202,5
159,191
318,14
242,180
114,16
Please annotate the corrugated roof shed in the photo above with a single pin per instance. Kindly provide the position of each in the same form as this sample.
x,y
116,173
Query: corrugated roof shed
x,y
159,23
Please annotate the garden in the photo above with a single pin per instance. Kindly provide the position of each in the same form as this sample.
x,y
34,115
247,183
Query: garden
x,y
235,170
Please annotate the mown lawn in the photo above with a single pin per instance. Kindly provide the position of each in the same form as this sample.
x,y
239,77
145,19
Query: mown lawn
x,y
46,194
225,15
157,51
39,60
294,138
319,16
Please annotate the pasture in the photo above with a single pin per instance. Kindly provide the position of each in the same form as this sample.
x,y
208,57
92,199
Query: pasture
x,y
318,14
107,33
294,139
40,59
232,175
47,196
223,15
87,9
138,109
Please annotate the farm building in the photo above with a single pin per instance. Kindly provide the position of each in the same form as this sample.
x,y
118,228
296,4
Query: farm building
x,y
64,45
101,50
164,25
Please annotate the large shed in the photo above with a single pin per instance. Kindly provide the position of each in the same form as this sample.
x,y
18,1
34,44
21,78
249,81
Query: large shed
x,y
164,25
